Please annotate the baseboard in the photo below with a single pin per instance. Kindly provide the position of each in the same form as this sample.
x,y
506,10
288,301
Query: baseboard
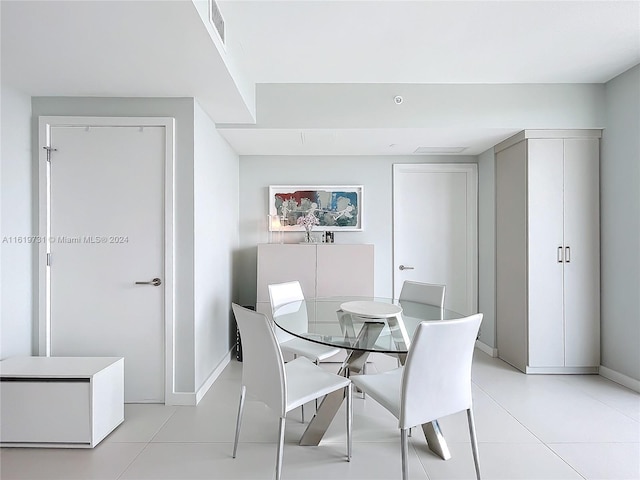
x,y
191,399
214,375
562,370
493,352
617,377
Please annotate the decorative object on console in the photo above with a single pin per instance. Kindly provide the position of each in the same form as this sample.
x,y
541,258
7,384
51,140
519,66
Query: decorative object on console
x,y
308,221
334,207
275,229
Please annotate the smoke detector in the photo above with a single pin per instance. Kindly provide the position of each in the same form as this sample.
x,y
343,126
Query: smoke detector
x,y
398,99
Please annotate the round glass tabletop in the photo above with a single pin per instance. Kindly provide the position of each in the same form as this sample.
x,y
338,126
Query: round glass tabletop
x,y
373,324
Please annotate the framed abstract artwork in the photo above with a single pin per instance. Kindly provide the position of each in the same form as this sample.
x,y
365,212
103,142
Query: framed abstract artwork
x,y
335,207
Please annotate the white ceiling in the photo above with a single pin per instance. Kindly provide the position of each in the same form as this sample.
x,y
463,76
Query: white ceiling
x,y
434,41
116,48
162,48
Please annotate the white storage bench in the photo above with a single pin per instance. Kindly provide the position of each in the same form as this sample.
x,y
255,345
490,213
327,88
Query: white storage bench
x,y
60,401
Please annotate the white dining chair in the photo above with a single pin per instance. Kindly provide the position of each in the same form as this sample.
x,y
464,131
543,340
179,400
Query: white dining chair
x,y
422,293
425,293
281,386
290,293
281,294
434,382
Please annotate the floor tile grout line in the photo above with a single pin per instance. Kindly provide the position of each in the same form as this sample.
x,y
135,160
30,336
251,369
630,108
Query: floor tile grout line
x,y
147,443
175,410
415,450
565,461
546,445
591,395
128,466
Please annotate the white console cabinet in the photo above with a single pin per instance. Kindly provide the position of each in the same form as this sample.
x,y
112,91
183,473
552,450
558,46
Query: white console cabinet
x,y
548,251
323,270
60,401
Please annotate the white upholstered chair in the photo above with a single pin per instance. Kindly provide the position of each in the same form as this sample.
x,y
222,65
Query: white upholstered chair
x,y
289,296
434,382
422,293
426,293
281,386
287,293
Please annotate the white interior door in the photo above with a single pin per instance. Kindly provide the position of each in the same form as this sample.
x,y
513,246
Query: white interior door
x,y
435,230
106,230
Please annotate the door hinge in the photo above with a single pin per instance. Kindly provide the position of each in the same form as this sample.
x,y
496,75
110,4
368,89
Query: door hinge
x,y
48,259
49,150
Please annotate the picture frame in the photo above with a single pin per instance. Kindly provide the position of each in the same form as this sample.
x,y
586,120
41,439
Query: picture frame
x,y
337,207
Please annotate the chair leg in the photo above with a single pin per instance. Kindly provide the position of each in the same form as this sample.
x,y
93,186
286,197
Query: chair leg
x,y
280,449
318,364
404,447
239,419
474,442
364,372
349,421
295,355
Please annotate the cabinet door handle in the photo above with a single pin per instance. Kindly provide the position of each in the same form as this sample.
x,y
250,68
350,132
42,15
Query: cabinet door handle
x,y
567,254
559,254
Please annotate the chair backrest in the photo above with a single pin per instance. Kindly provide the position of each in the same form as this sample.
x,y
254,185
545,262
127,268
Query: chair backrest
x,y
427,293
281,293
437,374
289,294
262,364
291,317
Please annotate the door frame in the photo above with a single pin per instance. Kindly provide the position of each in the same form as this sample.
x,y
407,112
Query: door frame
x,y
471,172
45,123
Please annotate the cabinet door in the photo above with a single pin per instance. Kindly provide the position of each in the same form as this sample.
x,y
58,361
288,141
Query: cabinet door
x,y
278,263
345,270
582,254
546,334
511,255
45,412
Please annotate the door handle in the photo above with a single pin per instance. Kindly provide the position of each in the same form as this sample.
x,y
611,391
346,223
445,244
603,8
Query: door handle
x,y
559,254
402,267
567,254
156,282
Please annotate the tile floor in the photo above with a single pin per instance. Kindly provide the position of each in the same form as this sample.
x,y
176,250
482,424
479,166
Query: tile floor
x,y
535,427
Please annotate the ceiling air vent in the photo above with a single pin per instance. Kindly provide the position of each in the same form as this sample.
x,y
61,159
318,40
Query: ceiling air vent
x,y
216,19
436,150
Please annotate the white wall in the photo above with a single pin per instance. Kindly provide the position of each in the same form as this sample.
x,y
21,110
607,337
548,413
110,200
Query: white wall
x,y
374,172
620,226
182,110
486,247
216,238
16,223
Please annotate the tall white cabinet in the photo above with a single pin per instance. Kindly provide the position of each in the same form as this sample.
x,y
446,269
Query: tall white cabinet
x,y
548,251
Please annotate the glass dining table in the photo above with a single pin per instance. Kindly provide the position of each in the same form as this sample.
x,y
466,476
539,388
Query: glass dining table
x,y
360,326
